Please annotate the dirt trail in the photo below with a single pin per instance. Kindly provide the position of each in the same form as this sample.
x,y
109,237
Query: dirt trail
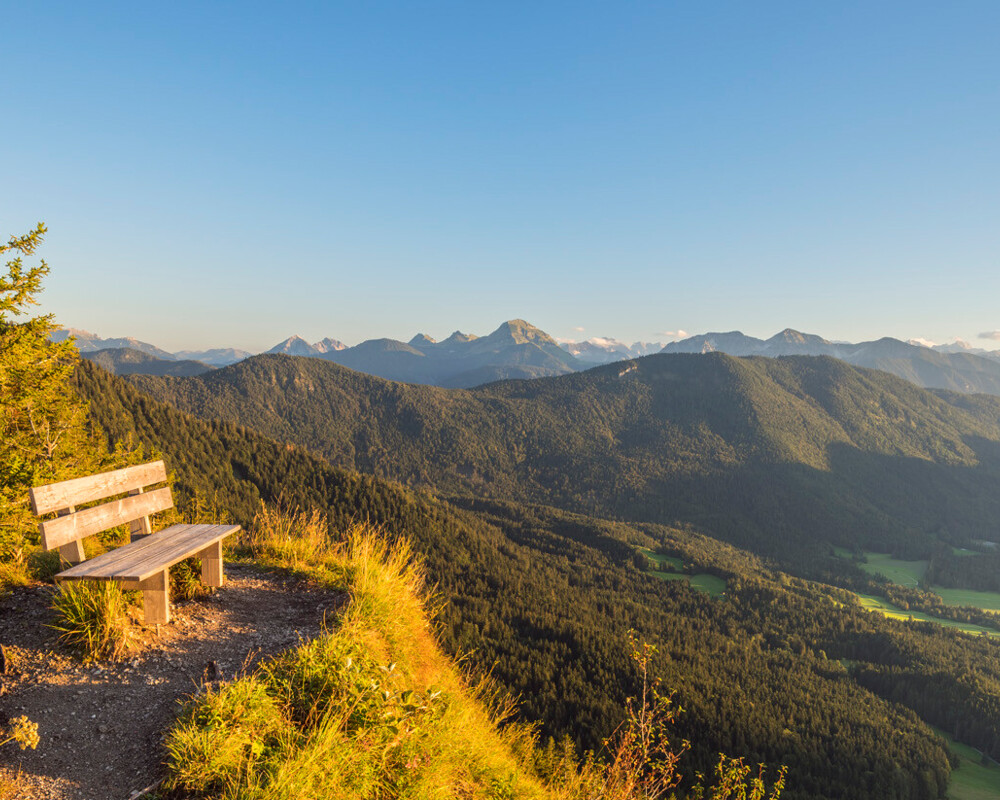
x,y
101,725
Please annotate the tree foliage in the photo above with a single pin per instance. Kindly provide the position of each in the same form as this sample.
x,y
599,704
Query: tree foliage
x,y
45,435
42,431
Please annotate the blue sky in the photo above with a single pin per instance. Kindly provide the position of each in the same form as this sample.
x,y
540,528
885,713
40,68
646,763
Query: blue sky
x,y
221,174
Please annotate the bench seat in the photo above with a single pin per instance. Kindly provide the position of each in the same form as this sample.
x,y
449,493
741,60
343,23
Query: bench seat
x,y
145,557
145,563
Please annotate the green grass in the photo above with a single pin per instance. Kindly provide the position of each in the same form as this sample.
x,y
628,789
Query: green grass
x,y
988,601
92,617
370,709
673,561
711,585
872,603
971,780
905,573
909,573
962,551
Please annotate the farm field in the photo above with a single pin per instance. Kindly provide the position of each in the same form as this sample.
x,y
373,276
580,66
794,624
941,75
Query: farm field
x,y
872,603
711,585
909,573
971,780
905,573
988,601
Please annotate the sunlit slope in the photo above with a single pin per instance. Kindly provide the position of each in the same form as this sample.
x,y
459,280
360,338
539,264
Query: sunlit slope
x,y
771,453
369,709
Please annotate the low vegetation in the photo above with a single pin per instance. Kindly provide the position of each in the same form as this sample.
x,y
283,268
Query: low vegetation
x,y
93,618
873,603
373,709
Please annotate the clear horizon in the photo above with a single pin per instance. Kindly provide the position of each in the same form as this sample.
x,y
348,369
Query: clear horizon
x,y
230,175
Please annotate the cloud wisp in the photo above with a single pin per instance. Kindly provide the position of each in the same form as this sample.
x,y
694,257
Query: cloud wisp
x,y
993,335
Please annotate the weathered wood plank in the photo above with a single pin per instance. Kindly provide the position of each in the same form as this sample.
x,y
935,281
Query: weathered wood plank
x,y
169,552
107,562
62,530
76,492
138,561
110,566
71,553
211,564
173,552
138,528
156,599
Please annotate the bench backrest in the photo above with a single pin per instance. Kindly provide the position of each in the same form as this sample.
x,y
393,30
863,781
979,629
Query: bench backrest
x,y
67,529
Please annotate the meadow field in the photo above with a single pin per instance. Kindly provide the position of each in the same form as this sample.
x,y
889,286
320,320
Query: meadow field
x,y
709,584
972,779
873,603
910,573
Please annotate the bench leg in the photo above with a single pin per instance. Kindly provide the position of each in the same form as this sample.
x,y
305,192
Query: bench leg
x,y
72,553
211,565
156,599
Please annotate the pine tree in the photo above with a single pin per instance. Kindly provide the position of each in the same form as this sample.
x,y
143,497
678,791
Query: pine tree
x,y
44,434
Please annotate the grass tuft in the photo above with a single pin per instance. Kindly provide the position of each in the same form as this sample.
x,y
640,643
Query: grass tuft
x,y
12,785
227,740
93,618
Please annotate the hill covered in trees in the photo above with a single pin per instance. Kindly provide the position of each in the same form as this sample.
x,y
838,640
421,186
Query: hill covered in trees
x,y
780,669
784,456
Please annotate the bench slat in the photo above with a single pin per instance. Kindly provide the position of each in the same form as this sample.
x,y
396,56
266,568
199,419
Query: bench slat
x,y
177,548
132,551
62,530
175,553
142,559
79,491
104,565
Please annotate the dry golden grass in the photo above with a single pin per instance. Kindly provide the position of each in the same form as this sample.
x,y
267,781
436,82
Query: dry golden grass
x,y
374,709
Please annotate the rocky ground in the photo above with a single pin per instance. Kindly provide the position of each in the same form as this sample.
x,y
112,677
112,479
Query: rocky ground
x,y
101,725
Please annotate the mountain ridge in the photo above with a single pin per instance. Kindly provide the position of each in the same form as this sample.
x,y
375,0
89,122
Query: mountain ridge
x,y
517,349
882,461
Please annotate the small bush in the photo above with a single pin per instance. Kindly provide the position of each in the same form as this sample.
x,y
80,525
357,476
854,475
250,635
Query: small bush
x,y
226,738
93,618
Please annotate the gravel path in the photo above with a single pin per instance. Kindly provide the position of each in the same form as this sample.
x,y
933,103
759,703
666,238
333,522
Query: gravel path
x,y
101,725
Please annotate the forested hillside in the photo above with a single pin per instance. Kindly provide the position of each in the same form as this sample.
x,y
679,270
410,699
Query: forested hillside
x,y
778,455
782,670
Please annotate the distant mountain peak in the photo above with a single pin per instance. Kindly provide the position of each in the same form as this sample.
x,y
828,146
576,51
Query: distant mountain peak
x,y
792,336
521,332
61,334
422,339
328,345
460,338
294,346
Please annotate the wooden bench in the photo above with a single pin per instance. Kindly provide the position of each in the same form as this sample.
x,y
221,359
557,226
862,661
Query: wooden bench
x,y
144,563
